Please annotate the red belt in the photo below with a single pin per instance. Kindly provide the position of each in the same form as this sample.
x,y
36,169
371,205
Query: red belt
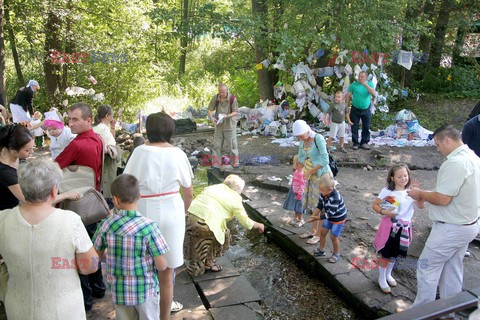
x,y
159,194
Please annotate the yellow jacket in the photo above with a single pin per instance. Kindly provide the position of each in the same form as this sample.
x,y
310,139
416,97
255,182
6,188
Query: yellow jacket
x,y
218,204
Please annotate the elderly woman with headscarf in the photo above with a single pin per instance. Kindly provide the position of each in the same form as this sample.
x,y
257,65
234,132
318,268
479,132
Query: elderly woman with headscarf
x,y
44,249
312,152
207,235
22,103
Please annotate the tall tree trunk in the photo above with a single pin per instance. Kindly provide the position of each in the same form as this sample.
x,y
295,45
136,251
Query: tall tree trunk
x,y
183,39
278,11
265,86
13,45
440,31
51,70
428,14
459,42
69,45
2,56
413,10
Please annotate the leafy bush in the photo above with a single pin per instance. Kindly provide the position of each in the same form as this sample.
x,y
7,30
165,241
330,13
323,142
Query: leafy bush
x,y
459,81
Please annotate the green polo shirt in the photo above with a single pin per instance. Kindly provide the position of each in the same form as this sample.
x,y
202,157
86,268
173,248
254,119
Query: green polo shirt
x,y
361,96
458,177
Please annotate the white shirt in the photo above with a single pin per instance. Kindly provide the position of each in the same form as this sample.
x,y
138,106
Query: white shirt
x,y
458,177
406,209
38,132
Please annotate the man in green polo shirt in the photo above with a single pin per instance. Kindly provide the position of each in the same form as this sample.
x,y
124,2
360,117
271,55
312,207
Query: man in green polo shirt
x,y
454,209
361,91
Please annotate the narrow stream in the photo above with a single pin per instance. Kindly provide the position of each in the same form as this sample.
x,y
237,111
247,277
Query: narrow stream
x,y
286,290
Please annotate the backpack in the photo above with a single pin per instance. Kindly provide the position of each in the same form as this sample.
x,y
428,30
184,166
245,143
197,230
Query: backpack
x,y
332,163
232,99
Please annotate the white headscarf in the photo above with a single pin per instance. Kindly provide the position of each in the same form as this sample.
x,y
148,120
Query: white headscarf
x,y
32,83
301,127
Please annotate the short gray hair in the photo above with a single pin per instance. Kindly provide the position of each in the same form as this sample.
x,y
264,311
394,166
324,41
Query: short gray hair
x,y
235,183
37,177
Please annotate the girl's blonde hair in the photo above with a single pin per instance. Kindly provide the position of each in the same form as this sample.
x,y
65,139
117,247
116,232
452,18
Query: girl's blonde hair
x,y
296,162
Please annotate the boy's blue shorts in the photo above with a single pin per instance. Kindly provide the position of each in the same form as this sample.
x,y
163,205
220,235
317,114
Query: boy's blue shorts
x,y
335,229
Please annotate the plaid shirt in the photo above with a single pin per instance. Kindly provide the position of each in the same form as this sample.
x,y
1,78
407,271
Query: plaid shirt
x,y
132,241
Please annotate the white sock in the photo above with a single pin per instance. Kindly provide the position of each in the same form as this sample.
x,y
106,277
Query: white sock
x,y
382,278
389,271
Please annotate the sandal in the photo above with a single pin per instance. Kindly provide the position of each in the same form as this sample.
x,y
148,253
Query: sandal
x,y
213,268
314,240
299,223
176,306
334,258
306,235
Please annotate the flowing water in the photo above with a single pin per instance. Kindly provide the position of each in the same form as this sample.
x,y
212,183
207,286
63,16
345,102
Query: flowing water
x,y
286,290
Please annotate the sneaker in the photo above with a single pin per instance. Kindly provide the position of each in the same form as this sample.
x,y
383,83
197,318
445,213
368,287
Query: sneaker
x,y
467,253
319,253
365,146
343,150
176,306
355,147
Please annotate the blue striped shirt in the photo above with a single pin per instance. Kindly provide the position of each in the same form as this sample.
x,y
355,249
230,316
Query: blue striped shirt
x,y
333,206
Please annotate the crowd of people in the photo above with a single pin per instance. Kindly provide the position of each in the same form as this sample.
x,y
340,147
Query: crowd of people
x,y
142,242
156,226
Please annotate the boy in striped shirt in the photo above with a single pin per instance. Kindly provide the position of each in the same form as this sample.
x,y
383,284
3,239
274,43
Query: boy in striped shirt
x,y
135,254
332,210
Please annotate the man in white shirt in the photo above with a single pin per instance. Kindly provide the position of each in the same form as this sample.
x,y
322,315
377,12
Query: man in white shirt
x,y
454,209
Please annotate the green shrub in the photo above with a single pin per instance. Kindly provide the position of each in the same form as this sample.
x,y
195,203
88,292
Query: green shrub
x,y
458,81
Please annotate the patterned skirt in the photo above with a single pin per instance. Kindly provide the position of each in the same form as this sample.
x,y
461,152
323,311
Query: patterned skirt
x,y
312,193
200,246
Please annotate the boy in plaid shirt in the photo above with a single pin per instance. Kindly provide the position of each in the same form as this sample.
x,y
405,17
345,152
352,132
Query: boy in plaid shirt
x,y
134,256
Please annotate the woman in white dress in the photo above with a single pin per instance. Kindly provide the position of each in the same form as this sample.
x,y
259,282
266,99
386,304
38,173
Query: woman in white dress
x,y
162,170
44,249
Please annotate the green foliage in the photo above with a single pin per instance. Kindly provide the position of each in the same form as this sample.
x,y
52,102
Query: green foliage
x,y
222,38
456,81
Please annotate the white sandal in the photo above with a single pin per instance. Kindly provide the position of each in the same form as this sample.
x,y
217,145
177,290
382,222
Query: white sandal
x,y
313,240
176,306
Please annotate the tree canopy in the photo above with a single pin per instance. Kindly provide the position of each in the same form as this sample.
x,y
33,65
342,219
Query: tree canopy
x,y
172,53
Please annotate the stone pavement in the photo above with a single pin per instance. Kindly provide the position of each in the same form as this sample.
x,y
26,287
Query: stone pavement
x,y
264,200
222,295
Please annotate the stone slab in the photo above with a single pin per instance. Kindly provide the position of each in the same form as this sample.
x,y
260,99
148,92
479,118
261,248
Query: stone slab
x,y
228,271
356,282
233,313
182,277
187,295
191,315
259,204
374,298
228,291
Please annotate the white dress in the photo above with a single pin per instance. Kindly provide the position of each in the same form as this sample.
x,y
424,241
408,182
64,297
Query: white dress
x,y
37,290
161,170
